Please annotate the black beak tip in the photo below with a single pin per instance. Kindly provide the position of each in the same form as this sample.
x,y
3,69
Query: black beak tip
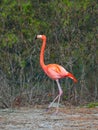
x,y
35,37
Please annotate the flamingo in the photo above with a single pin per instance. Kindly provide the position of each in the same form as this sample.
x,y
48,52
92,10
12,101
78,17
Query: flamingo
x,y
54,71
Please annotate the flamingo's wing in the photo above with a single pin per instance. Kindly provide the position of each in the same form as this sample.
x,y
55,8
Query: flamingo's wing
x,y
55,71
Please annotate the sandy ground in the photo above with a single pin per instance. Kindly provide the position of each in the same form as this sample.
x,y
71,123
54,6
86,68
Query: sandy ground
x,y
38,119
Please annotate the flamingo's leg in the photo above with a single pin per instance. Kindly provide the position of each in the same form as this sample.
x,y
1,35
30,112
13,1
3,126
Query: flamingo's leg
x,y
58,97
53,102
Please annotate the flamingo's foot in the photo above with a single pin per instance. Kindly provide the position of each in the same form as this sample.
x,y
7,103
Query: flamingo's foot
x,y
57,111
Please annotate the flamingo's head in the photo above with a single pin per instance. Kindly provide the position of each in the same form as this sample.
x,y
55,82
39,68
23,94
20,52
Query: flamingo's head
x,y
43,37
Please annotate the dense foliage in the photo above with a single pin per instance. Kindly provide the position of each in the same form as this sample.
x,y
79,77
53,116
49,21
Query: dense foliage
x,y
71,27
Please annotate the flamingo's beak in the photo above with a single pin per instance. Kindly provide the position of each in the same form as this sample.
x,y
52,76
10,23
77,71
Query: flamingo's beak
x,y
35,37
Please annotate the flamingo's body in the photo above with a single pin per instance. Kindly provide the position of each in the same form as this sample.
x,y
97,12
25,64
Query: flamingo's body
x,y
54,71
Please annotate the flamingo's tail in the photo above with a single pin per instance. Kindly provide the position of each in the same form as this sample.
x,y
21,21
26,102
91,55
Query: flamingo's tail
x,y
72,77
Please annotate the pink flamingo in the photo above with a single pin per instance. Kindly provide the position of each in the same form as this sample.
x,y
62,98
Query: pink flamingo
x,y
54,71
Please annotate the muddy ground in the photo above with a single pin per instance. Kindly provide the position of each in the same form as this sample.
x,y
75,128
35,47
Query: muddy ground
x,y
26,118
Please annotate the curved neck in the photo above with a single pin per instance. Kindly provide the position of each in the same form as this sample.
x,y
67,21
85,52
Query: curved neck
x,y
42,53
